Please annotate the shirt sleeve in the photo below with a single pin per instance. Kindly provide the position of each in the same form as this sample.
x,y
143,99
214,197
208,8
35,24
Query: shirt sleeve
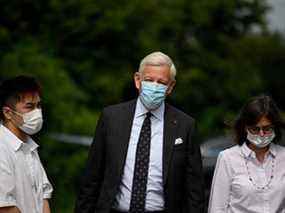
x,y
7,182
221,184
47,187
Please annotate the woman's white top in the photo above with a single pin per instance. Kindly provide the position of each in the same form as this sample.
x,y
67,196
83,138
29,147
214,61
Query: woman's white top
x,y
241,184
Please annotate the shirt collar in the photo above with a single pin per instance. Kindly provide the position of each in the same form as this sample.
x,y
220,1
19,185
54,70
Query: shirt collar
x,y
247,152
32,145
14,142
142,110
273,149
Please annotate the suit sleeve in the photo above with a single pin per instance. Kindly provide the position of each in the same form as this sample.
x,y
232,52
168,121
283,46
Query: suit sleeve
x,y
195,178
94,173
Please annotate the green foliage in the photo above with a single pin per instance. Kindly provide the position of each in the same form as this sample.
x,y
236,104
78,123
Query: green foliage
x,y
64,164
61,96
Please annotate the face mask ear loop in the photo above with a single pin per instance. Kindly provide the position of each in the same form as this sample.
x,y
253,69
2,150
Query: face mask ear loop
x,y
17,113
13,111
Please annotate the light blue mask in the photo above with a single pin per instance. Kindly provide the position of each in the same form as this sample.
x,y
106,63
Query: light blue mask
x,y
152,94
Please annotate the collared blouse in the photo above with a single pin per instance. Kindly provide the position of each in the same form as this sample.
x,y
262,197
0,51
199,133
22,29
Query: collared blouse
x,y
241,184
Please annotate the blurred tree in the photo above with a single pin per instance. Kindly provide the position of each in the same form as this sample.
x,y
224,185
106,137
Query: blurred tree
x,y
61,96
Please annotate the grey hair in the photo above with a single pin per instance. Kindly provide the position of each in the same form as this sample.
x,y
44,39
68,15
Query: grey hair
x,y
158,59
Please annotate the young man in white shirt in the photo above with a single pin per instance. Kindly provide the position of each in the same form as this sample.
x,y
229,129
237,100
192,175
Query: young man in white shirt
x,y
24,187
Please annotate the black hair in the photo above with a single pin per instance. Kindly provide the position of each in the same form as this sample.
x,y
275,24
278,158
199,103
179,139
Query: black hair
x,y
13,89
252,112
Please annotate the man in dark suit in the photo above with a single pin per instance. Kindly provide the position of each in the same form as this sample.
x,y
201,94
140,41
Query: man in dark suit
x,y
143,158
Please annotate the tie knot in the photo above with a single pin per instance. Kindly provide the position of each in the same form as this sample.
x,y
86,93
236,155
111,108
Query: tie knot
x,y
148,114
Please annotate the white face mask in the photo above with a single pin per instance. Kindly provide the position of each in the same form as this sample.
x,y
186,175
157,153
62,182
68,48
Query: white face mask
x,y
32,121
260,141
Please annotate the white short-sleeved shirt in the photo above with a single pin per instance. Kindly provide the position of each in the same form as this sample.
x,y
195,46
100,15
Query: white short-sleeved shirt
x,y
242,184
23,181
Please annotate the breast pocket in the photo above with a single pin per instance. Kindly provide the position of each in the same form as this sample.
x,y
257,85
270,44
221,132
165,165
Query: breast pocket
x,y
179,147
179,155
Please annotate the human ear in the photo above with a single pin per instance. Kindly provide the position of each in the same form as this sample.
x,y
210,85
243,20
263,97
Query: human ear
x,y
137,80
170,87
7,112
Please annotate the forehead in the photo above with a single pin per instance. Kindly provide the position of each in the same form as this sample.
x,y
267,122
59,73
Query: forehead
x,y
159,71
29,97
263,121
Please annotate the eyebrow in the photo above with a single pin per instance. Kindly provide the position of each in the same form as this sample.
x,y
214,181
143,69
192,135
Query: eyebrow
x,y
269,125
33,103
160,80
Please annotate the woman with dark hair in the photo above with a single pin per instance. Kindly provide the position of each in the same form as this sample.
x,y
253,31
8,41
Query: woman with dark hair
x,y
250,177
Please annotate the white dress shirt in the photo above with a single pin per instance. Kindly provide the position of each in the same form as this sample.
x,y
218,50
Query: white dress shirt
x,y
154,194
233,191
23,181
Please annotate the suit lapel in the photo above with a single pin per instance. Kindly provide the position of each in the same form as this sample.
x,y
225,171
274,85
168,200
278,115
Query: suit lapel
x,y
124,133
169,135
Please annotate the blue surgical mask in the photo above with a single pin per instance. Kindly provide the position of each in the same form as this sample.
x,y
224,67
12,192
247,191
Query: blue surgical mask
x,y
152,94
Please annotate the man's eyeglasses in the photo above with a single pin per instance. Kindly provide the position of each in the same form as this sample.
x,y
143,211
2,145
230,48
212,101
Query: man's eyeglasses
x,y
265,129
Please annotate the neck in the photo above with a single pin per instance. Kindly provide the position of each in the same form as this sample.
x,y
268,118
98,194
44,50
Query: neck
x,y
16,131
259,152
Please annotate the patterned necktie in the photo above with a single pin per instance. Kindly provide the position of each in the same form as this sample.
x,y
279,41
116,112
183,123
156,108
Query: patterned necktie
x,y
141,168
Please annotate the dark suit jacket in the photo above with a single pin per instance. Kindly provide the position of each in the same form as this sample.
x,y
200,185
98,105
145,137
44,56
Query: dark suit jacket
x,y
182,167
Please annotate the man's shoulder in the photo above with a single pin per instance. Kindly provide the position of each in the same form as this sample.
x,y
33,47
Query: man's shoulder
x,y
6,152
116,108
179,113
4,144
